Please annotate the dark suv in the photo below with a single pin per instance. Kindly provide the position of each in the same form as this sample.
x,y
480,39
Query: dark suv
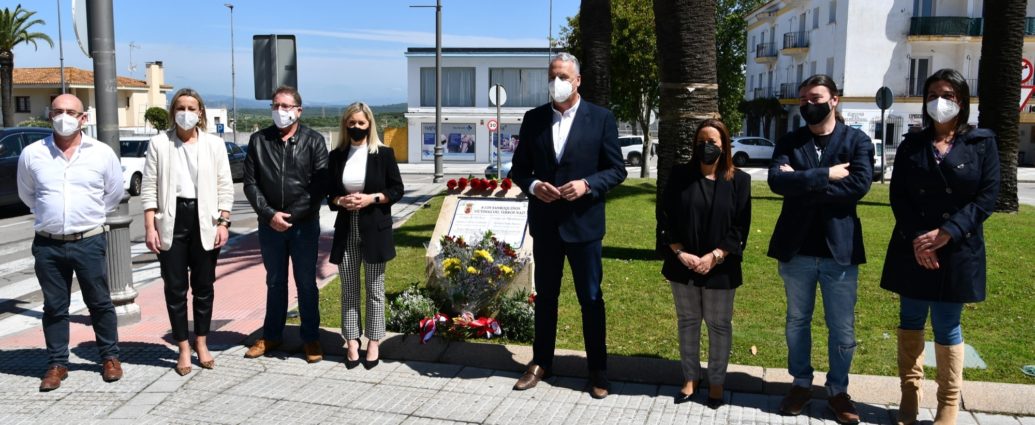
x,y
12,141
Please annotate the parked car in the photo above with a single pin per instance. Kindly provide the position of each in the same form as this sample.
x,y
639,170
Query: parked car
x,y
12,141
236,156
490,171
132,151
751,149
632,149
878,160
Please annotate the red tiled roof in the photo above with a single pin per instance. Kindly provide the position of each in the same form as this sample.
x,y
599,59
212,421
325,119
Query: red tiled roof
x,y
52,76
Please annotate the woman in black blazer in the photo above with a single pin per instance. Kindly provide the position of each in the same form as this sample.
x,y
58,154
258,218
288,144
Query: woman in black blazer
x,y
944,185
365,183
704,220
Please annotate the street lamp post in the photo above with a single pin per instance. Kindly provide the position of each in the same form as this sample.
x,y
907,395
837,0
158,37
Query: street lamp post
x,y
233,72
61,49
439,176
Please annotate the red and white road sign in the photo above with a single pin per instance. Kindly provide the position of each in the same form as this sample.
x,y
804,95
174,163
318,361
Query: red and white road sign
x,y
492,125
1027,71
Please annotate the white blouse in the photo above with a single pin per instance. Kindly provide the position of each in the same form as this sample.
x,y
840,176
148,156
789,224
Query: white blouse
x,y
355,175
187,173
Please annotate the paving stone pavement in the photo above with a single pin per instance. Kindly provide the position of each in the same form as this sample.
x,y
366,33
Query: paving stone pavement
x,y
283,388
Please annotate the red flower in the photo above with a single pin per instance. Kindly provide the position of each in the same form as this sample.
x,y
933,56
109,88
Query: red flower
x,y
476,184
531,298
492,184
506,184
451,184
462,183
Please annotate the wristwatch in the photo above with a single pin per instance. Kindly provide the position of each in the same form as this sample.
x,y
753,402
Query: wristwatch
x,y
719,258
678,251
223,221
377,199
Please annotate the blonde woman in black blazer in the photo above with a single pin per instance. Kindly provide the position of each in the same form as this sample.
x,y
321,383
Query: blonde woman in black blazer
x,y
704,219
365,182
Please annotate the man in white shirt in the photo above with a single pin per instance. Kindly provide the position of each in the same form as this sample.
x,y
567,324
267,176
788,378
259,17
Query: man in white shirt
x,y
567,161
70,181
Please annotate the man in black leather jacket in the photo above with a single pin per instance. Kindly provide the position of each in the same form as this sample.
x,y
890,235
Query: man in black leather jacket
x,y
284,177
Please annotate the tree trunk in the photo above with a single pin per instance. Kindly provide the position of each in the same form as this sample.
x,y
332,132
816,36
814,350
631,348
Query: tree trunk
x,y
689,88
643,119
6,99
595,24
999,88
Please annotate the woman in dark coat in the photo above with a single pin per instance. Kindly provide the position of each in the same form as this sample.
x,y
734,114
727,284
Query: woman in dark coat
x,y
365,182
704,219
943,187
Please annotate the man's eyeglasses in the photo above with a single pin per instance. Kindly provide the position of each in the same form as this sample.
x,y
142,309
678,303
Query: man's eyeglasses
x,y
70,112
283,106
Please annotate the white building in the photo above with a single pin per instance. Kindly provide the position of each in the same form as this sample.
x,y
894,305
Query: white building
x,y
865,45
467,74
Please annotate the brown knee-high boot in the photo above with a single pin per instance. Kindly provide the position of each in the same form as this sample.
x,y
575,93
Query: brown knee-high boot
x,y
950,381
911,373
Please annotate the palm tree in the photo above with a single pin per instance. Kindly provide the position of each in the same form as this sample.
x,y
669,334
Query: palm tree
x,y
999,88
14,30
689,88
595,24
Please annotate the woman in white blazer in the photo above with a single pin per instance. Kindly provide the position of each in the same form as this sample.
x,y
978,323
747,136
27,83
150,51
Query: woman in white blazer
x,y
187,194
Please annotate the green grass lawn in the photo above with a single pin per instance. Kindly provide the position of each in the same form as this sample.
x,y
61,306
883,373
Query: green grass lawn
x,y
641,316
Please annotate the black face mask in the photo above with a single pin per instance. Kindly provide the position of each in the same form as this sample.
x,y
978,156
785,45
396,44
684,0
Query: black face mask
x,y
357,134
815,113
708,152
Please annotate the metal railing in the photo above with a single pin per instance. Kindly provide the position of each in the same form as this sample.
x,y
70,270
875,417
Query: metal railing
x,y
946,25
763,92
796,40
765,50
788,91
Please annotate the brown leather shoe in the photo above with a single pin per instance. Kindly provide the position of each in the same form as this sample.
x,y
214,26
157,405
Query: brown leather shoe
x,y
260,348
599,386
844,409
795,400
52,379
313,352
112,370
532,376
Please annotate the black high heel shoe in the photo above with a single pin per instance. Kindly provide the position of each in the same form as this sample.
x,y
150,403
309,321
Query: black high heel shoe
x,y
351,364
682,397
715,403
370,364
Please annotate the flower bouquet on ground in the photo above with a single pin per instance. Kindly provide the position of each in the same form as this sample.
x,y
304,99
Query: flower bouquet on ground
x,y
469,278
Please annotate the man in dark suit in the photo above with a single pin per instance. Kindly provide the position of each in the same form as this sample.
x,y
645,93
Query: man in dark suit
x,y
822,170
567,161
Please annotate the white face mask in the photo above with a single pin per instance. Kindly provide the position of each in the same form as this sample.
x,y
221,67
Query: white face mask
x,y
942,110
283,119
65,125
560,90
186,120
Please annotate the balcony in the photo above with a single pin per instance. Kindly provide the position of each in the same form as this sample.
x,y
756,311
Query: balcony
x,y
915,87
795,43
763,92
765,53
788,91
946,26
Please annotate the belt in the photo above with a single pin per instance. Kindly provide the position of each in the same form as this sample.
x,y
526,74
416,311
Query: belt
x,y
73,236
186,201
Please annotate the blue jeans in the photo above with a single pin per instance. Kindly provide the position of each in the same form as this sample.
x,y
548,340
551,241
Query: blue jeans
x,y
300,243
838,284
55,262
945,319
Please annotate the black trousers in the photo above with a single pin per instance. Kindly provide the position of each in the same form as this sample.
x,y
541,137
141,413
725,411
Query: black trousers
x,y
188,255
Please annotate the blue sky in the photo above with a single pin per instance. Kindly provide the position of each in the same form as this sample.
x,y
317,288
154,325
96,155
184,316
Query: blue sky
x,y
347,50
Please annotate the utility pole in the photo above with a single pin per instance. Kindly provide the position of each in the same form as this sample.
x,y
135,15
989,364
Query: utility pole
x,y
101,29
439,145
233,72
61,50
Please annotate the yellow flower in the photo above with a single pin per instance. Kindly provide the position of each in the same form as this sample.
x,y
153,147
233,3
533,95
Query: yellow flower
x,y
506,271
450,263
472,270
481,253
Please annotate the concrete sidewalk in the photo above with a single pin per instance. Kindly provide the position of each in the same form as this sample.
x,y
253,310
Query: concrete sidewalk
x,y
440,382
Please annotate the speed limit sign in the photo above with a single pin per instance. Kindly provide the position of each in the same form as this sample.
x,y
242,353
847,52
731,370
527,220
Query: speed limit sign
x,y
492,125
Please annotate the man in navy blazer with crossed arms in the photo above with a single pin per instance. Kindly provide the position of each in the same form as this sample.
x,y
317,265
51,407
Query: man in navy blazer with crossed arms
x,y
567,161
